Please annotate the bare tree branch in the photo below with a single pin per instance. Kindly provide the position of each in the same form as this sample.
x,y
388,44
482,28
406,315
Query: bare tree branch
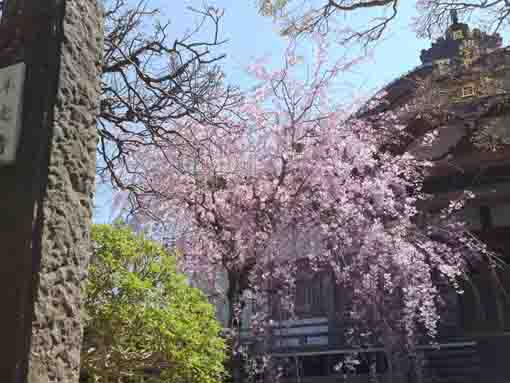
x,y
308,17
150,81
434,15
304,17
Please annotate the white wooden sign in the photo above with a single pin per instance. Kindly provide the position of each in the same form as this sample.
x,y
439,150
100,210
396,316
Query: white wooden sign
x,y
11,99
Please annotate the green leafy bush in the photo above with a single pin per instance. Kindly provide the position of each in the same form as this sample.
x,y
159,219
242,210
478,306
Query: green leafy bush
x,y
142,319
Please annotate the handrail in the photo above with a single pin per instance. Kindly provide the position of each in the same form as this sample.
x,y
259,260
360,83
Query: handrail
x,y
439,346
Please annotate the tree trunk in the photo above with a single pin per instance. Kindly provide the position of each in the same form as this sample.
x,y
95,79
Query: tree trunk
x,y
235,363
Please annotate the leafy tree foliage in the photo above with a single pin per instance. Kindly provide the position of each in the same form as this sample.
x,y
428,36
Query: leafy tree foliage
x,y
142,319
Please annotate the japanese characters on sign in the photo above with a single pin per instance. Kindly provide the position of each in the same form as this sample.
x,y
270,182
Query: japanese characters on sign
x,y
11,90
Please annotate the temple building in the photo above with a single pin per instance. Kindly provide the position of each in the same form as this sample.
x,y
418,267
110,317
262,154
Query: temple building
x,y
460,96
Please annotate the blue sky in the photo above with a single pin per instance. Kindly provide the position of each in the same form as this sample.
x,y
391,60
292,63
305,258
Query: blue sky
x,y
251,36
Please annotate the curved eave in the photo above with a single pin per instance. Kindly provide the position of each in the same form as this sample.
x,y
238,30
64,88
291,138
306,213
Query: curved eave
x,y
396,93
400,91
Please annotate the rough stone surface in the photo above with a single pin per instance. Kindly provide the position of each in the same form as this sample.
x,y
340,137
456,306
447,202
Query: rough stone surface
x,y
46,194
65,208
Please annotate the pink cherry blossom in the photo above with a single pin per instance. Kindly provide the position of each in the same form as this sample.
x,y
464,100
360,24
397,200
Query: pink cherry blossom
x,y
292,176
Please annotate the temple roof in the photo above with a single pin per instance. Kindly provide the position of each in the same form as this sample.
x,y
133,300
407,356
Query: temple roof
x,y
458,45
455,38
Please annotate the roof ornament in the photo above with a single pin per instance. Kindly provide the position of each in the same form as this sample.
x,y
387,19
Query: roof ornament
x,y
454,16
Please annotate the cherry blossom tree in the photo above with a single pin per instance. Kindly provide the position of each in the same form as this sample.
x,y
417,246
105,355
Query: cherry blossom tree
x,y
293,177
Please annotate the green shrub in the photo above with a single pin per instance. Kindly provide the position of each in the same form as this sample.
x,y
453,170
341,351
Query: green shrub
x,y
142,319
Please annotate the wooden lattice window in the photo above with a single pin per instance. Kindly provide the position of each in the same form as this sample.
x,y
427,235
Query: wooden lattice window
x,y
468,90
457,35
442,66
312,295
469,43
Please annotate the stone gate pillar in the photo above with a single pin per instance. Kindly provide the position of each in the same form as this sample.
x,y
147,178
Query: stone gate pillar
x,y
46,192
